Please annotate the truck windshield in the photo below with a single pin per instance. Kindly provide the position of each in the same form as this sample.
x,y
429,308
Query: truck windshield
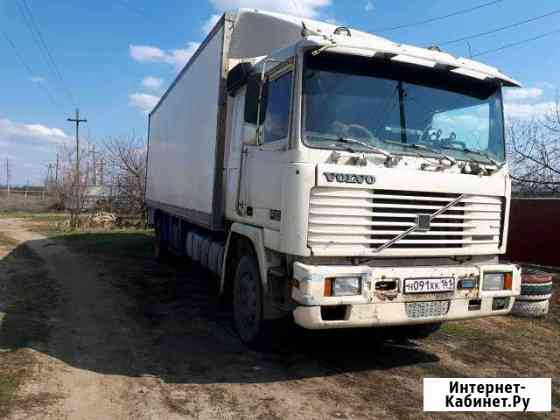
x,y
394,105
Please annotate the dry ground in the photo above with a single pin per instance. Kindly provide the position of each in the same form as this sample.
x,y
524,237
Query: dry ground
x,y
91,328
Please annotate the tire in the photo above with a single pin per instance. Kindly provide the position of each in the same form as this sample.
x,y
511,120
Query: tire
x,y
536,291
161,252
528,289
248,304
413,332
530,309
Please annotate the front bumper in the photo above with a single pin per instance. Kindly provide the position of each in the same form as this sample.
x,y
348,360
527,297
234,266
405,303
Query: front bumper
x,y
375,308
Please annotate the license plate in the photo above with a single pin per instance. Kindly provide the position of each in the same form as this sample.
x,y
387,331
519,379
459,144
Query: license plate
x,y
427,309
429,285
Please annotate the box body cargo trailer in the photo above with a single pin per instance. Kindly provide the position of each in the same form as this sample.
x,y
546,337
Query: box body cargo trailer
x,y
334,176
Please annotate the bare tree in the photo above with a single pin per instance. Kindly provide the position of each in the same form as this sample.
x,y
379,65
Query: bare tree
x,y
127,155
68,187
534,149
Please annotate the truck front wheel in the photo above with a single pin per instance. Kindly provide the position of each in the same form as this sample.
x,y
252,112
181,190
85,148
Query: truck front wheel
x,y
248,303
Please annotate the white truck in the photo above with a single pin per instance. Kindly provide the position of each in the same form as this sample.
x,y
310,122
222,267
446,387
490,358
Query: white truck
x,y
334,176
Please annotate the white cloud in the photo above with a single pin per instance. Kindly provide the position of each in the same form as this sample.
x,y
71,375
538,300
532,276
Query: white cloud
x,y
146,53
177,57
526,111
14,133
516,94
528,103
546,85
30,147
143,101
151,82
209,24
307,8
369,6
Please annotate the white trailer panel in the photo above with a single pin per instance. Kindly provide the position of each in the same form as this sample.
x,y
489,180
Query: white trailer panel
x,y
184,136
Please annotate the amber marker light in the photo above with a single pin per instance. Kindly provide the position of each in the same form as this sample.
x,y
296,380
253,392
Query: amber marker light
x,y
508,281
328,286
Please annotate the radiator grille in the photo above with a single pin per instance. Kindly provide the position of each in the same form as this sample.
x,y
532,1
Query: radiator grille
x,y
342,217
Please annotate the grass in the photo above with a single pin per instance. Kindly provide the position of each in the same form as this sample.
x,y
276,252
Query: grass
x,y
462,329
119,243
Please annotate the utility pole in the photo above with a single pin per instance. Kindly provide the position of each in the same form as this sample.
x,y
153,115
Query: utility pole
x,y
8,175
101,167
56,171
48,183
94,164
77,121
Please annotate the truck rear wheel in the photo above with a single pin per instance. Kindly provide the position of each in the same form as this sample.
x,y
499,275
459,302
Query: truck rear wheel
x,y
160,246
248,303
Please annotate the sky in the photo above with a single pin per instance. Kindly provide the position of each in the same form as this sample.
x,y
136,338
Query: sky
x,y
114,59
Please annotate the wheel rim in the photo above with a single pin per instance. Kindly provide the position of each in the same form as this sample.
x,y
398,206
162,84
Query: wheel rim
x,y
247,316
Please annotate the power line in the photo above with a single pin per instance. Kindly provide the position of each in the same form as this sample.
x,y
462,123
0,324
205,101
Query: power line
x,y
515,44
49,54
435,19
39,39
503,28
8,174
34,35
29,70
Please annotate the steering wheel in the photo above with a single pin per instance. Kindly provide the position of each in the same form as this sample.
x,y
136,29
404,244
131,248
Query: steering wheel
x,y
452,139
431,136
361,129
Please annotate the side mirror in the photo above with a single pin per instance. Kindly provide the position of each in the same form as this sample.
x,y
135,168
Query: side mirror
x,y
237,77
252,97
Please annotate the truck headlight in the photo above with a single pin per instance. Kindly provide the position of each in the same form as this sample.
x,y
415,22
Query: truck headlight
x,y
343,286
493,281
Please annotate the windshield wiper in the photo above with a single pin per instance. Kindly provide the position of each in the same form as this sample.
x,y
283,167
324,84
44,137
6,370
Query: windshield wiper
x,y
367,145
486,155
451,160
426,148
478,153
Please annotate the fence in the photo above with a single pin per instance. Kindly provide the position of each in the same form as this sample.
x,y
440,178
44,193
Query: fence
x,y
21,199
534,231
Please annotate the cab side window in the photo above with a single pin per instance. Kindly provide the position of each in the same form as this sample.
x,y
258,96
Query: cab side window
x,y
277,117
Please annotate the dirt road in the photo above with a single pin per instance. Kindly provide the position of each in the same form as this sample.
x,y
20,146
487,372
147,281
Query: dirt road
x,y
87,329
131,339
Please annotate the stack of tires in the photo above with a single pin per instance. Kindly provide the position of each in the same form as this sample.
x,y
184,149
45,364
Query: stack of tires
x,y
536,290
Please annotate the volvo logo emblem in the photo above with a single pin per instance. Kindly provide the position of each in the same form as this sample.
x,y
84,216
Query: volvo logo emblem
x,y
423,222
349,178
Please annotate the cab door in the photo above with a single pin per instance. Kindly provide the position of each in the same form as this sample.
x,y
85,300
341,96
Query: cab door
x,y
265,161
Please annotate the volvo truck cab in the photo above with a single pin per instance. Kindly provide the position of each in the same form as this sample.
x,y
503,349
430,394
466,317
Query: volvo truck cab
x,y
365,184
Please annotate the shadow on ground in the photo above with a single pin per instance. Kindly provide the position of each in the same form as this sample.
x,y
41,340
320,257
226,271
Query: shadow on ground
x,y
114,311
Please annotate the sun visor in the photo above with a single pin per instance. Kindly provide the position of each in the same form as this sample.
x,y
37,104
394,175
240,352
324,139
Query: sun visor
x,y
412,55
